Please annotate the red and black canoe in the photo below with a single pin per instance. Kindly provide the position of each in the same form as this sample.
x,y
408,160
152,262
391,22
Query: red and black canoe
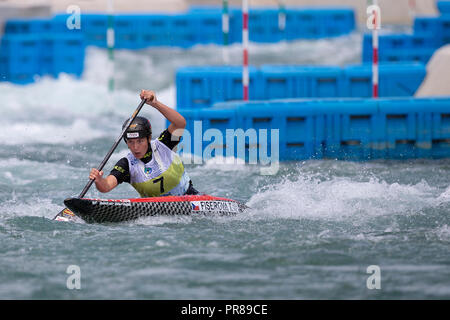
x,y
118,210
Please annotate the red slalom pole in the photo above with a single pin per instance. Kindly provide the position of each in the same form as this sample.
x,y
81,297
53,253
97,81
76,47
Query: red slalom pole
x,y
375,57
245,73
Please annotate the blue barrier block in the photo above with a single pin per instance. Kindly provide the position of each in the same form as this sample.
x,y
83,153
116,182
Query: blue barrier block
x,y
441,149
21,78
304,23
283,82
301,130
235,15
420,41
20,53
402,47
399,123
394,55
94,27
398,42
3,67
443,6
420,55
46,57
440,123
27,26
62,53
264,27
214,125
428,26
405,55
208,26
401,79
300,23
345,129
234,87
17,26
66,24
182,32
339,21
357,80
324,81
127,30
155,30
257,119
445,28
202,87
350,128
199,87
20,44
186,145
444,128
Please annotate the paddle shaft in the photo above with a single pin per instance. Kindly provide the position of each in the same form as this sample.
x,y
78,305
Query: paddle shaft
x,y
105,160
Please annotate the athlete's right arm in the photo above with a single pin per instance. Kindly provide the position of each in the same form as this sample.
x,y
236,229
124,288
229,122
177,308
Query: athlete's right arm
x,y
103,184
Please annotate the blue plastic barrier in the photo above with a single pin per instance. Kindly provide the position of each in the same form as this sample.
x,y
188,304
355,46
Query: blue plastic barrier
x,y
202,86
400,79
68,54
94,28
324,81
401,47
199,25
127,30
18,53
283,82
27,26
24,56
210,24
66,24
444,21
155,31
263,26
430,26
443,6
199,87
345,129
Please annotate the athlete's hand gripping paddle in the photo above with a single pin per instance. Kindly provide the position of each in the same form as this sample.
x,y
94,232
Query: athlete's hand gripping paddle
x,y
66,211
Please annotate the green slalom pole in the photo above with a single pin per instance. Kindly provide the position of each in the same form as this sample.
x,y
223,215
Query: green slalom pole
x,y
281,15
225,30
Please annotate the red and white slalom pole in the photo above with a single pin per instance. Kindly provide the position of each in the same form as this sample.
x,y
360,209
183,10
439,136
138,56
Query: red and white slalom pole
x,y
281,15
374,10
245,73
375,69
412,8
225,30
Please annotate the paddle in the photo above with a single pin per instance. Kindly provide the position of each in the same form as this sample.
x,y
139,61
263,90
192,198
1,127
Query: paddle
x,y
66,211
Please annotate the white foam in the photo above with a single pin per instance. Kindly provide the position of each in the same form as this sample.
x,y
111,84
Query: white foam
x,y
444,196
33,207
225,164
32,132
340,198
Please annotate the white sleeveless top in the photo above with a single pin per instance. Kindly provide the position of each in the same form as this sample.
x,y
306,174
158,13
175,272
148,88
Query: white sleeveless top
x,y
163,175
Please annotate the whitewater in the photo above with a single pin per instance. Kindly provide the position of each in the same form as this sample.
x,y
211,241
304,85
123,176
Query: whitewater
x,y
312,231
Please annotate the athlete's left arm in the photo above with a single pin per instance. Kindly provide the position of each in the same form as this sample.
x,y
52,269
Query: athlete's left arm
x,y
177,121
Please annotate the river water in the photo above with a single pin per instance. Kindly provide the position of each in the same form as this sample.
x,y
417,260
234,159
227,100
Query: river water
x,y
315,229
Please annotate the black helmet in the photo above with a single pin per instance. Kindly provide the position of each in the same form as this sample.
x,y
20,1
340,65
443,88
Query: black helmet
x,y
139,128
